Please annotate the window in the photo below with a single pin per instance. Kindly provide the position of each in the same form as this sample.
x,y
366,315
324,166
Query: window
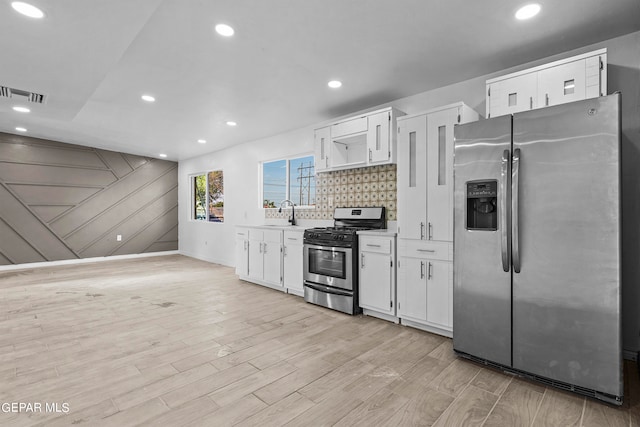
x,y
208,197
289,179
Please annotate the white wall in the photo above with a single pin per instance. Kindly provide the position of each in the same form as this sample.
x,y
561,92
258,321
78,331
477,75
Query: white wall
x,y
215,242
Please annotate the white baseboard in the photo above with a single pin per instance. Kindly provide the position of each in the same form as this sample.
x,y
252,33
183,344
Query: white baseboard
x,y
84,260
383,316
208,259
427,328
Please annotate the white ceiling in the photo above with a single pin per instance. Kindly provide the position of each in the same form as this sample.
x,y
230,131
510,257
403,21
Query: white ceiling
x,y
94,59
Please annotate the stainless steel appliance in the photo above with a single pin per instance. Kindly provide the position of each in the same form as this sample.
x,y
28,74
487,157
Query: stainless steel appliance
x,y
331,256
537,245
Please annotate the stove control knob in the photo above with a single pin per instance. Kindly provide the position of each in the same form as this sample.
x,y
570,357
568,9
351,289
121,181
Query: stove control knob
x,y
336,237
341,237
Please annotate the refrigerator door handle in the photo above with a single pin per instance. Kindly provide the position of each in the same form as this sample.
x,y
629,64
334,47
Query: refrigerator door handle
x,y
515,217
504,184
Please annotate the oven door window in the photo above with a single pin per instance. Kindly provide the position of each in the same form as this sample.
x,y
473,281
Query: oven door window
x,y
328,263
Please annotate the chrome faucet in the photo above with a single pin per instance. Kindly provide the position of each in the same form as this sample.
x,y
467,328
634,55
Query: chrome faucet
x,y
292,220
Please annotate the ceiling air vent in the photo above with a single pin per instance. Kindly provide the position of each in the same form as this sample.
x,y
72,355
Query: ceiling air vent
x,y
23,95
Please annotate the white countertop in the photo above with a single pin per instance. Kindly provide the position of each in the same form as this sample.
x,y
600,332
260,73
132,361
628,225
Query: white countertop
x,y
277,227
380,233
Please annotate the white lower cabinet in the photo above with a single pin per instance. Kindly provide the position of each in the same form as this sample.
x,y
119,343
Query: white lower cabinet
x,y
425,285
271,256
242,251
292,256
265,257
377,274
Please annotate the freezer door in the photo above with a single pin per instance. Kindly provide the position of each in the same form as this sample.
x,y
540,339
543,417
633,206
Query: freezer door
x,y
482,277
566,296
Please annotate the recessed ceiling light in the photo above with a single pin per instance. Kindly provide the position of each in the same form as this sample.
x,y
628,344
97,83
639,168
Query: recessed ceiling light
x,y
148,98
231,123
163,155
528,11
224,30
202,141
21,109
334,84
19,129
27,10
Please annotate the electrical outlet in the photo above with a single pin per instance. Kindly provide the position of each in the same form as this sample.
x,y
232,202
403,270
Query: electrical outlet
x,y
119,238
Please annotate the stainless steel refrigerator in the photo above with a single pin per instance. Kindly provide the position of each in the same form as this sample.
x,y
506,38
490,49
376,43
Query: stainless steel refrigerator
x,y
537,245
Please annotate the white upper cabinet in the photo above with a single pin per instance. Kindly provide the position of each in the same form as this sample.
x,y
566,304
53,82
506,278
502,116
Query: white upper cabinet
x,y
562,83
508,96
425,172
440,173
412,176
322,144
357,142
571,79
379,138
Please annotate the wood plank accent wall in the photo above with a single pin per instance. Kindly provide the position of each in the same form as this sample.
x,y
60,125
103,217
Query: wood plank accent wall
x,y
61,201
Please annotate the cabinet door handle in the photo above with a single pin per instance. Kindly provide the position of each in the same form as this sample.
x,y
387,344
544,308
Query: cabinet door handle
x,y
429,272
369,154
422,269
426,250
546,99
284,250
260,247
362,260
531,103
430,232
422,231
373,246
291,238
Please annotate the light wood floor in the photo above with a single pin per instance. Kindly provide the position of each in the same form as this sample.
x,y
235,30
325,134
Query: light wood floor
x,y
177,341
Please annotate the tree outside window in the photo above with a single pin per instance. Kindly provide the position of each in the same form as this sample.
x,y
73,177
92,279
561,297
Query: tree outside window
x,y
216,196
199,197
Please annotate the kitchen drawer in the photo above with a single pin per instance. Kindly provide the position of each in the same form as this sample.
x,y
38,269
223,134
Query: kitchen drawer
x,y
425,249
242,233
349,127
293,237
375,244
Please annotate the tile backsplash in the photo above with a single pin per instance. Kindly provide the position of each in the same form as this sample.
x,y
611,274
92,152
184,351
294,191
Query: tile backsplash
x,y
360,187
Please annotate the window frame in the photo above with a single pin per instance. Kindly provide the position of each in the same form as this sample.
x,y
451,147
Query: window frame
x,y
287,160
192,209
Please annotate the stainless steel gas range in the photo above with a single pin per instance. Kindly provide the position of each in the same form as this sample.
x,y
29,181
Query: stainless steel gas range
x,y
331,258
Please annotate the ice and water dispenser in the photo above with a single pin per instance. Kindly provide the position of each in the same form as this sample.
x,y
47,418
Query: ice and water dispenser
x,y
482,205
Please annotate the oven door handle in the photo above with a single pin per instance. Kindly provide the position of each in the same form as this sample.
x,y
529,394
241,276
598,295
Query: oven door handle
x,y
327,289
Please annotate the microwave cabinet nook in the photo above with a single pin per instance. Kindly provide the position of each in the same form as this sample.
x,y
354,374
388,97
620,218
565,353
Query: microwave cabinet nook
x,y
365,140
